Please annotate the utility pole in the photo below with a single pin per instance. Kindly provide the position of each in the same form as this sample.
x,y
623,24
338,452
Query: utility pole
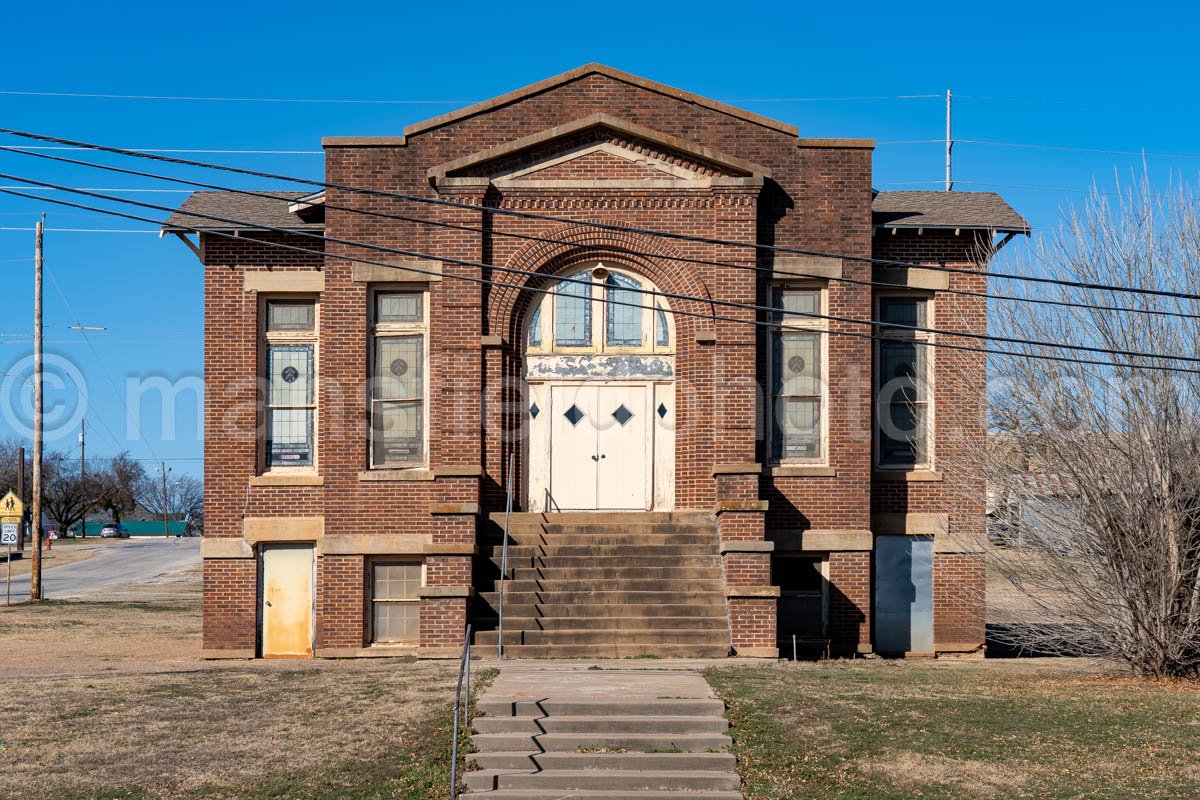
x,y
21,494
166,534
82,472
949,145
35,577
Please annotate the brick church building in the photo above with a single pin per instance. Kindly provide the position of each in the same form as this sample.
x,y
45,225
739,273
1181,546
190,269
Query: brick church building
x,y
715,447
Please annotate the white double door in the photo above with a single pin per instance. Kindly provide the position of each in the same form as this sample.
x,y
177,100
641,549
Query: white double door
x,y
601,447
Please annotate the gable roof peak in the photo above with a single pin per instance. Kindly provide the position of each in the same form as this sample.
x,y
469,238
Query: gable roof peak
x,y
594,68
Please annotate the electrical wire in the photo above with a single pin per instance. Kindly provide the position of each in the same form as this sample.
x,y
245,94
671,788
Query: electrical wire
x,y
607,226
645,292
677,312
542,239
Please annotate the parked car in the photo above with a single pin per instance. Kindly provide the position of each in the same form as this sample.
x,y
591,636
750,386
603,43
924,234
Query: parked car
x,y
114,531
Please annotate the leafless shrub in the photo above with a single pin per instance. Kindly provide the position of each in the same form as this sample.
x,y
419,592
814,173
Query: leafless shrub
x,y
1094,471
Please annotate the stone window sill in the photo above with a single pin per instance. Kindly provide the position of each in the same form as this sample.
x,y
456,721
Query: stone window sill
x,y
803,471
287,479
909,476
398,475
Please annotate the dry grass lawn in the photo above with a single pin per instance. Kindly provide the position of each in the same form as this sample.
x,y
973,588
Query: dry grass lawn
x,y
1038,728
123,708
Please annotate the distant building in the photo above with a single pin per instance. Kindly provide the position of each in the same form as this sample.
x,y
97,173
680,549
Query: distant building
x,y
692,476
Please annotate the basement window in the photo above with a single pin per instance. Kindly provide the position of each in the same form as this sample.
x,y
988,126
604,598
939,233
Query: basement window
x,y
395,602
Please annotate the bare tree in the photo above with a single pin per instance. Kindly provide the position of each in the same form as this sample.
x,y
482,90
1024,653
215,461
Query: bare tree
x,y
184,497
118,479
66,496
1098,474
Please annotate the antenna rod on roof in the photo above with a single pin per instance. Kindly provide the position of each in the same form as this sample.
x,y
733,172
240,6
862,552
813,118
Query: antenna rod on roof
x,y
949,145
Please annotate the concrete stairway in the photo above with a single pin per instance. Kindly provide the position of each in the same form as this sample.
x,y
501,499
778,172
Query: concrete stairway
x,y
593,585
609,749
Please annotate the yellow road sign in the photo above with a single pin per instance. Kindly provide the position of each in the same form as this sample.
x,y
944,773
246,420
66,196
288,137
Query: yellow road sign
x,y
11,507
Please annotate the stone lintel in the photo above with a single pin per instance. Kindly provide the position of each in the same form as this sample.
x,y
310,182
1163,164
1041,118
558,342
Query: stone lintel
x,y
913,277
752,591
454,508
737,469
840,541
283,529
450,549
706,337
227,547
287,479
465,471
899,524
908,476
742,505
379,544
445,591
746,546
283,280
803,471
396,475
413,270
791,268
493,340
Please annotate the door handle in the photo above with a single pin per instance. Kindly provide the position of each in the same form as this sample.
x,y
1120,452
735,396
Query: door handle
x,y
602,455
269,604
595,458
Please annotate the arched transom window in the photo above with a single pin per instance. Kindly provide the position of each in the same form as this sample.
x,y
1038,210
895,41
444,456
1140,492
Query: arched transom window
x,y
599,309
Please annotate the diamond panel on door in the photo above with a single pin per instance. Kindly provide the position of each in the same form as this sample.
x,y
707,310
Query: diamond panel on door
x,y
623,448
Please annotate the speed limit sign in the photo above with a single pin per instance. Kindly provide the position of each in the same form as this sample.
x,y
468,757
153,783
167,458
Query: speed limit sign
x,y
8,533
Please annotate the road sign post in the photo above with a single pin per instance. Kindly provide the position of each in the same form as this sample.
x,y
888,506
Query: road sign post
x,y
12,511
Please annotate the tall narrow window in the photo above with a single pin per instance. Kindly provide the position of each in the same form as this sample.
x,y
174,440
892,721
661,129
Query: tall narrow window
x,y
904,406
395,603
624,311
798,380
291,337
573,312
397,380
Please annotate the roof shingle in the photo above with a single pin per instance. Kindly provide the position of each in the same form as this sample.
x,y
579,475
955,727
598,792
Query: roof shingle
x,y
250,212
946,210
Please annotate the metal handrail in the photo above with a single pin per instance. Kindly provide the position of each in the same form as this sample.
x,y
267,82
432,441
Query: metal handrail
x,y
504,558
464,667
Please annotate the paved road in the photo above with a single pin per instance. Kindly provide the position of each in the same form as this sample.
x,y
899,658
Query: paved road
x,y
115,564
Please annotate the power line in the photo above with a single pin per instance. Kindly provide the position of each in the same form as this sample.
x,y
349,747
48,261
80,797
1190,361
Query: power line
x,y
83,230
676,312
607,226
206,150
146,191
530,237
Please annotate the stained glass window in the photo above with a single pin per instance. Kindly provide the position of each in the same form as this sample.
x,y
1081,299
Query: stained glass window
x,y
624,311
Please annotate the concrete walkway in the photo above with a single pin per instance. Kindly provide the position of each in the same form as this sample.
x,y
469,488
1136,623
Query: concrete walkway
x,y
617,731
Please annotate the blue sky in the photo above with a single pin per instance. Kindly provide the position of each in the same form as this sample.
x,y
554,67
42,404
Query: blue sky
x,y
1102,76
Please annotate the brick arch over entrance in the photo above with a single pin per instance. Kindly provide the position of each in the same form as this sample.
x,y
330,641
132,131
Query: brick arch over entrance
x,y
573,245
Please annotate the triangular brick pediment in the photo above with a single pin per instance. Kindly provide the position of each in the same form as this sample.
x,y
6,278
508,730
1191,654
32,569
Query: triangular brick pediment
x,y
599,149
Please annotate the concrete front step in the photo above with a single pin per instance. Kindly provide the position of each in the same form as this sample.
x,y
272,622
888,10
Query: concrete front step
x,y
619,518
612,742
617,572
685,585
521,760
646,560
643,636
553,550
598,794
618,779
612,650
515,610
715,621
604,597
610,724
604,540
581,707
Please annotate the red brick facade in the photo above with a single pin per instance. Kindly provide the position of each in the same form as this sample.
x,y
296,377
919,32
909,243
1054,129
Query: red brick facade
x,y
812,195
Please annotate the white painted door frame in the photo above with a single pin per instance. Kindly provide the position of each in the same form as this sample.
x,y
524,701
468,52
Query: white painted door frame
x,y
618,484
